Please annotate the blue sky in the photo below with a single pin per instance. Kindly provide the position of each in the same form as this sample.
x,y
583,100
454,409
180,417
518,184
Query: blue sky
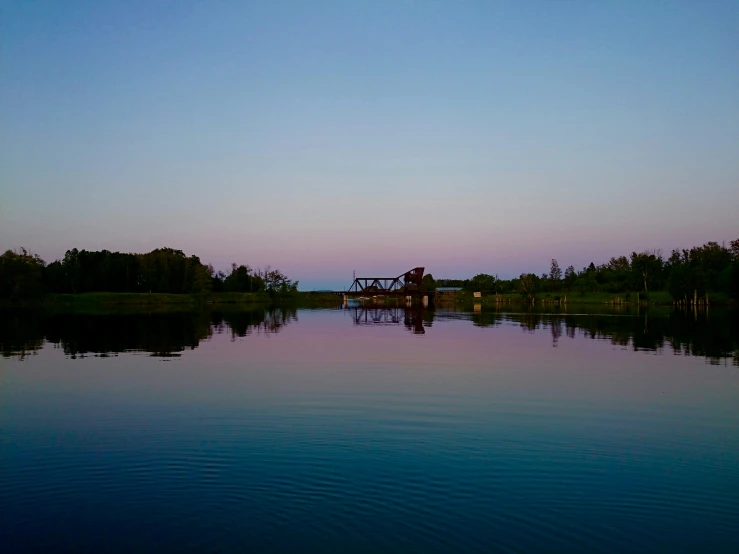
x,y
327,137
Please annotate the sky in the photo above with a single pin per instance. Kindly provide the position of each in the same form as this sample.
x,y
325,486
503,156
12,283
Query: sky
x,y
324,138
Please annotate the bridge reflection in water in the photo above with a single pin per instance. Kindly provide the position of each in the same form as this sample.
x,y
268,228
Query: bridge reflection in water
x,y
412,318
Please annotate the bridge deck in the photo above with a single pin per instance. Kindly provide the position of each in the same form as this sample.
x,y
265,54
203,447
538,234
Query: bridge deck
x,y
391,294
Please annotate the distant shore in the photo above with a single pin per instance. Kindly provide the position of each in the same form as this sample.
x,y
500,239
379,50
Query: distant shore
x,y
656,298
143,299
114,301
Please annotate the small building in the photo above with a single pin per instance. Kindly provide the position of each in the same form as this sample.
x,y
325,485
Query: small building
x,y
446,293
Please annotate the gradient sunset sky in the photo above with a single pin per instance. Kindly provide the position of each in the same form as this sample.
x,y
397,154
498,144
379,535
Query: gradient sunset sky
x,y
327,137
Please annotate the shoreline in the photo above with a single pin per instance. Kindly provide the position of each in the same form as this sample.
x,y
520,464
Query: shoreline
x,y
657,298
113,301
154,300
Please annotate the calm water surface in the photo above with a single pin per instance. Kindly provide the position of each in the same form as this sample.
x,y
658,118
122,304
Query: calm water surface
x,y
369,430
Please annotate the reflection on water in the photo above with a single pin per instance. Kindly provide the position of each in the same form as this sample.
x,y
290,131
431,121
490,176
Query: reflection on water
x,y
161,334
369,430
714,334
414,319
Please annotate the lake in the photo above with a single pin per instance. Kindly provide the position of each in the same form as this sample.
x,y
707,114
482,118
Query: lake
x,y
370,430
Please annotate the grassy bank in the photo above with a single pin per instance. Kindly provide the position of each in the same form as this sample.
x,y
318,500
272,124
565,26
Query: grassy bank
x,y
656,298
112,300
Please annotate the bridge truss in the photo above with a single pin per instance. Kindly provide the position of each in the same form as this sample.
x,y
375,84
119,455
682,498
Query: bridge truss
x,y
407,284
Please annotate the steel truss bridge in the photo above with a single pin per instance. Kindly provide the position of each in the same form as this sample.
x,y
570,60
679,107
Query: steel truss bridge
x,y
407,284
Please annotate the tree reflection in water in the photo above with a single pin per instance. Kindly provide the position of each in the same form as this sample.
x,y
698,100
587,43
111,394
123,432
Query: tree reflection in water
x,y
160,334
712,334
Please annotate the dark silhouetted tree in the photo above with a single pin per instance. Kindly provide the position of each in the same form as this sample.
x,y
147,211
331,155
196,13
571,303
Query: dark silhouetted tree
x,y
21,275
555,273
428,283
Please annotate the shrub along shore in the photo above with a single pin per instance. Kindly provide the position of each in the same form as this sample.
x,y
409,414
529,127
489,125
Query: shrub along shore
x,y
176,301
658,298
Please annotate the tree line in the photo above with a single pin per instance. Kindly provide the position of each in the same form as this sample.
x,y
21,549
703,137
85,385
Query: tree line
x,y
711,268
22,333
686,273
164,270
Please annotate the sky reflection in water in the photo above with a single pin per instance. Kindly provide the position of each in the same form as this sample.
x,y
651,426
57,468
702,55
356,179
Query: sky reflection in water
x,y
347,430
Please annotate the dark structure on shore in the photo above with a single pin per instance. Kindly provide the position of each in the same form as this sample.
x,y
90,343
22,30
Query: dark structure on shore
x,y
407,284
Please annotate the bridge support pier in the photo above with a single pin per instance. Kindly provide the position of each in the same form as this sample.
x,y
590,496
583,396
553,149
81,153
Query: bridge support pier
x,y
346,300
